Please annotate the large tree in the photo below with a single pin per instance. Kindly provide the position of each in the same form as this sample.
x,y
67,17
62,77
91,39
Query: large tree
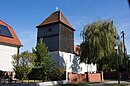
x,y
98,43
43,62
23,64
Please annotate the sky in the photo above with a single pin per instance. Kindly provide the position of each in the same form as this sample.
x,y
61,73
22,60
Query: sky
x,y
25,15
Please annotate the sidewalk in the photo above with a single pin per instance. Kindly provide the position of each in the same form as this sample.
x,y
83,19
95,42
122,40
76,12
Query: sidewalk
x,y
103,83
110,83
116,81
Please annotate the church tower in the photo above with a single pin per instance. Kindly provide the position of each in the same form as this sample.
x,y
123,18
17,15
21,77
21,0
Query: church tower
x,y
58,35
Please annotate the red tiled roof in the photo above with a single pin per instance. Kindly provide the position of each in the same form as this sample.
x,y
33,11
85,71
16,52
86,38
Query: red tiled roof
x,y
77,49
56,17
7,40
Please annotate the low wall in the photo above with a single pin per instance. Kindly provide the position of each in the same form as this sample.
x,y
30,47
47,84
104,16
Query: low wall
x,y
95,77
87,77
76,78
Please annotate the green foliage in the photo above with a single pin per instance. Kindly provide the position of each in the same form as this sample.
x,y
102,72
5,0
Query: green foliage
x,y
98,44
56,75
1,73
43,61
23,64
128,56
42,54
35,75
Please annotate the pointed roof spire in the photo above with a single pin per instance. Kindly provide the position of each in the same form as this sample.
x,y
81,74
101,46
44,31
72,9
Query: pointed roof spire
x,y
56,17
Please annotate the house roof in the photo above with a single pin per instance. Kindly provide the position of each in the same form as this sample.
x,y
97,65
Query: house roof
x,y
56,17
14,41
77,49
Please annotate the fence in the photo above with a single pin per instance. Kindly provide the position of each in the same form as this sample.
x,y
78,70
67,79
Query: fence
x,y
114,75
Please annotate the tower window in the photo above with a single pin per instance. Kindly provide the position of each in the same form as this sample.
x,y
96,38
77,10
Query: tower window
x,y
50,29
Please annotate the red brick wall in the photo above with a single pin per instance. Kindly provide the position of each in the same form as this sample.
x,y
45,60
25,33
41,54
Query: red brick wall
x,y
82,77
88,77
73,78
94,77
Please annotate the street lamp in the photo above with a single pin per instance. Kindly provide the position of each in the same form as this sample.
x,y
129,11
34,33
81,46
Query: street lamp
x,y
117,60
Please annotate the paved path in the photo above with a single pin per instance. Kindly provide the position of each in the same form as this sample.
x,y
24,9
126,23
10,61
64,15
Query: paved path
x,y
115,81
106,82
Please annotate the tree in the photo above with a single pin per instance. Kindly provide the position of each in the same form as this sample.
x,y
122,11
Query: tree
x,y
98,43
128,56
23,64
43,61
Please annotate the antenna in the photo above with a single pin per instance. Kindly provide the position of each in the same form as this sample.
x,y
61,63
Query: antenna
x,y
57,8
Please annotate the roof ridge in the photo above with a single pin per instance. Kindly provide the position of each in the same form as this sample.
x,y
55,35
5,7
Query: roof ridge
x,y
58,15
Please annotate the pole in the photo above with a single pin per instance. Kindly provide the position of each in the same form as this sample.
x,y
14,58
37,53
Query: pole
x,y
117,61
125,60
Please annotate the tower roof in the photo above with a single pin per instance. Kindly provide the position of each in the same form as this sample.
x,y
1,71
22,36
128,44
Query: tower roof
x,y
8,35
56,17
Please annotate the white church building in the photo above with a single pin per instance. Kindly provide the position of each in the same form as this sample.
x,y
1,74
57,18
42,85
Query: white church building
x,y
58,35
9,45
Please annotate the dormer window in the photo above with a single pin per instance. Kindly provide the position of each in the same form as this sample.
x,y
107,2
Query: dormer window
x,y
50,29
4,31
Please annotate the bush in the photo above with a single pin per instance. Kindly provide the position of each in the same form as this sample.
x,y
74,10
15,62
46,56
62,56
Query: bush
x,y
35,74
56,75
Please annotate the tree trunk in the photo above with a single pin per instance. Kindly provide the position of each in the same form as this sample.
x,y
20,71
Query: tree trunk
x,y
100,66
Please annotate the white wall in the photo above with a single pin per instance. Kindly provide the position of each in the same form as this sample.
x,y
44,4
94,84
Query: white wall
x,y
6,53
91,67
63,59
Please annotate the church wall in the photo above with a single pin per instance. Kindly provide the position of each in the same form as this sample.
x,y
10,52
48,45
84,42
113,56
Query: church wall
x,y
44,30
82,67
66,39
6,53
63,58
50,35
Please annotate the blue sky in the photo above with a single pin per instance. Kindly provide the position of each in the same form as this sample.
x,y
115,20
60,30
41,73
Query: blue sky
x,y
24,15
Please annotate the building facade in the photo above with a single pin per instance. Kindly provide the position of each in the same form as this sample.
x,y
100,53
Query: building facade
x,y
9,45
58,35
